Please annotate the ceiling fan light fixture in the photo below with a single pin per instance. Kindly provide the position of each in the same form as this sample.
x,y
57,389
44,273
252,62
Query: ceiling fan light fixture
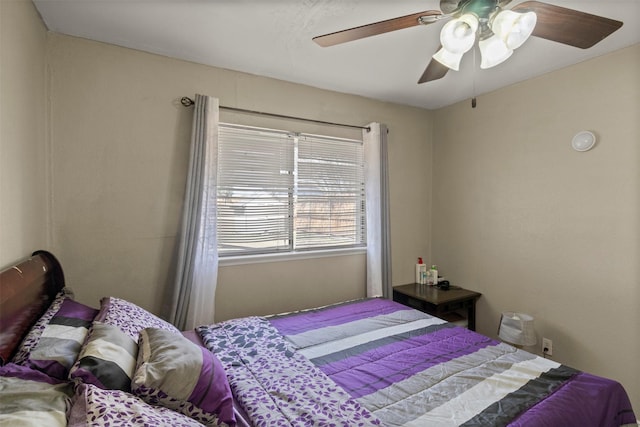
x,y
448,59
514,28
494,51
459,35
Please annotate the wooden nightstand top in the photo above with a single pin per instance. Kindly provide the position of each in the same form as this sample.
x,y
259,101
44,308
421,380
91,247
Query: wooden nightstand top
x,y
434,295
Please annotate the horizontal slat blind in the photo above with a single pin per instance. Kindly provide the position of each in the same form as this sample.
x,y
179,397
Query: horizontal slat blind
x,y
283,192
330,193
255,185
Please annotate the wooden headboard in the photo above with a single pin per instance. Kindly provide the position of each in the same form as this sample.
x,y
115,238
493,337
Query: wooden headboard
x,y
26,290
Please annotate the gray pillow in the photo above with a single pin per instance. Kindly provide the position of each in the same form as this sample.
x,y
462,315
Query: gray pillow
x,y
176,373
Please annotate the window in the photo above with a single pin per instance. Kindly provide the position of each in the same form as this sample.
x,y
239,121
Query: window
x,y
285,192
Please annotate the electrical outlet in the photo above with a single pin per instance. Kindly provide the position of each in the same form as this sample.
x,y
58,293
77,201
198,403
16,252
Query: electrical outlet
x,y
547,347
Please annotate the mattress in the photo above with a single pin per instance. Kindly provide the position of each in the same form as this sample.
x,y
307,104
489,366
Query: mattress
x,y
377,362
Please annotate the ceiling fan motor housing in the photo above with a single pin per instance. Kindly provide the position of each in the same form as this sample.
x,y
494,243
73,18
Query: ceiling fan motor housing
x,y
483,9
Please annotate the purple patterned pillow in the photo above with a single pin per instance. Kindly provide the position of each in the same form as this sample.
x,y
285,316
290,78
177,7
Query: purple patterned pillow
x,y
61,339
32,398
107,359
33,336
130,318
176,373
93,406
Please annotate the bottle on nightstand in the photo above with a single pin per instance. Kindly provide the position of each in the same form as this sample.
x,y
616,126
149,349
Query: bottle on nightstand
x,y
421,272
433,275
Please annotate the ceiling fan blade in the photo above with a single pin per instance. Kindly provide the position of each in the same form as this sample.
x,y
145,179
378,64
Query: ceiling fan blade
x,y
434,71
568,26
375,28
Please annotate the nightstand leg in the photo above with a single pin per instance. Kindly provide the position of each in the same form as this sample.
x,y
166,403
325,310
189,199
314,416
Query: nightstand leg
x,y
471,316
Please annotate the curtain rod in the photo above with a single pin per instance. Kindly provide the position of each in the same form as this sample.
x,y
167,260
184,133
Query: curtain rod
x,y
188,102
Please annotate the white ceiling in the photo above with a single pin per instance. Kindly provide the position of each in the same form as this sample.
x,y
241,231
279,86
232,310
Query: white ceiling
x,y
273,38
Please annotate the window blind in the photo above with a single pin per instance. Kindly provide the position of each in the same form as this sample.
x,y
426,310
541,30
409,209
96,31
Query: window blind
x,y
255,182
282,192
329,193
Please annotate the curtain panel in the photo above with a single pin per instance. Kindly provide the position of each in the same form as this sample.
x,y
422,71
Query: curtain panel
x,y
377,205
193,300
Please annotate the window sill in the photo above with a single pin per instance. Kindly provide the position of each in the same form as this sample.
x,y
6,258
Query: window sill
x,y
289,256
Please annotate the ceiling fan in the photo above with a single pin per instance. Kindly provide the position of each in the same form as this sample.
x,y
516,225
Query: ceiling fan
x,y
499,31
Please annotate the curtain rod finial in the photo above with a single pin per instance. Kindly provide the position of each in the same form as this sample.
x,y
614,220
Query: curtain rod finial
x,y
186,101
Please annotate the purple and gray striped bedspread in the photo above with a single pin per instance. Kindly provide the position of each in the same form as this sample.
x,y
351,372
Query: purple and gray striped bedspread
x,y
376,362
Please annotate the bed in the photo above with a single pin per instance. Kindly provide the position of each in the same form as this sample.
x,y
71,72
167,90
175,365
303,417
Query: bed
x,y
357,363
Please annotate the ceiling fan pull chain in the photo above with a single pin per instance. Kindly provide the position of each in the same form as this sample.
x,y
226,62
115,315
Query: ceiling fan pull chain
x,y
473,80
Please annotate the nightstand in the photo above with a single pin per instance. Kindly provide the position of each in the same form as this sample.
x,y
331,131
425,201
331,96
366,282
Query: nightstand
x,y
437,302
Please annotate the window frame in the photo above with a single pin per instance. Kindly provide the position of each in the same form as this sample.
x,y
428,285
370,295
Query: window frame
x,y
292,253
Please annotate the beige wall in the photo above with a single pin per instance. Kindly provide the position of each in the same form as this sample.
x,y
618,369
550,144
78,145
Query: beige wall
x,y
120,141
540,228
517,214
23,148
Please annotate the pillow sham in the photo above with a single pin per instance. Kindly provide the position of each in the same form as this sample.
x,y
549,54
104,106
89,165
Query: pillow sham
x,y
107,359
176,373
93,406
31,398
130,318
33,336
61,339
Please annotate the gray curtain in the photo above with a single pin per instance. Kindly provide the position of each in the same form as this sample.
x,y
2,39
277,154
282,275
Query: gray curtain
x,y
387,287
193,299
377,195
